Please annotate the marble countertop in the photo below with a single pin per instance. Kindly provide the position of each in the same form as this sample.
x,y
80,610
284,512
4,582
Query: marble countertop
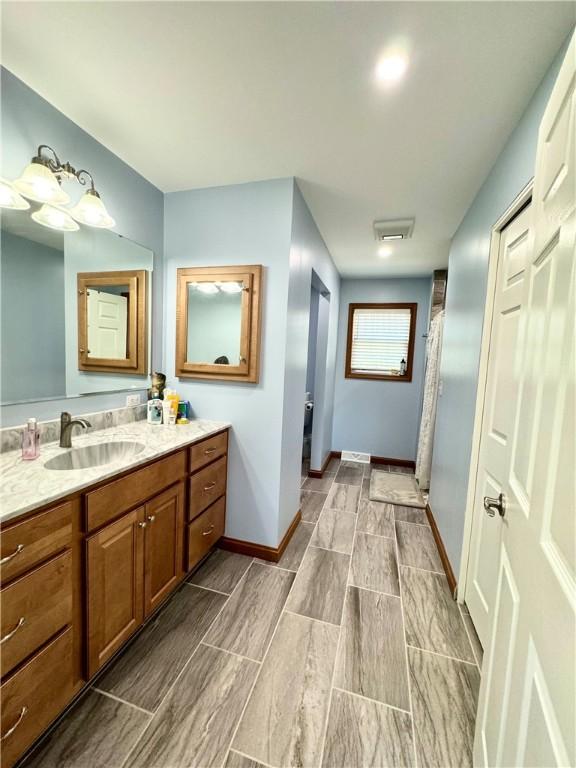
x,y
26,485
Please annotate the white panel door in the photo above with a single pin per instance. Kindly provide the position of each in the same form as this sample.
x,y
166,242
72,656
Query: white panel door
x,y
107,325
497,422
526,713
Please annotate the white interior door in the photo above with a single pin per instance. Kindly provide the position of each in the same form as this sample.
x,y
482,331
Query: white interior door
x,y
107,325
526,711
497,422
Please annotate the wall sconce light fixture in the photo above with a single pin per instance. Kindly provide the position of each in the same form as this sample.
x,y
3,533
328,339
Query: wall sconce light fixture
x,y
41,181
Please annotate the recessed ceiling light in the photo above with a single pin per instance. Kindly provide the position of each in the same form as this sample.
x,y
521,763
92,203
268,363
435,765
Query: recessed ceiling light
x,y
391,68
384,251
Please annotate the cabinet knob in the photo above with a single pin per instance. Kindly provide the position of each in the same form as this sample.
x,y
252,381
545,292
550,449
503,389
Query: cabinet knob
x,y
142,525
151,518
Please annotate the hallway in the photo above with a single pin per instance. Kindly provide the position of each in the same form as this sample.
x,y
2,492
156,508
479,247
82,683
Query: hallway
x,y
349,652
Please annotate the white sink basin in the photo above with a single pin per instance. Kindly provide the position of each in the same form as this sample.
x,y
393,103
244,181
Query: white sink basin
x,y
95,455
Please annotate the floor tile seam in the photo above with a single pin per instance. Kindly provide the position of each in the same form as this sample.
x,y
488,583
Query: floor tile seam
x,y
410,522
209,589
374,591
249,757
120,700
265,655
376,535
468,635
406,660
185,666
373,700
231,653
336,551
442,655
416,568
311,618
339,641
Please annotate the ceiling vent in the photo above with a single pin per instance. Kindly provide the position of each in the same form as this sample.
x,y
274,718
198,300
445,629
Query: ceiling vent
x,y
397,229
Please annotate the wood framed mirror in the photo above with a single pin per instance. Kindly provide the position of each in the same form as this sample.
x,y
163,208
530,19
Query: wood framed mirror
x,y
218,323
112,322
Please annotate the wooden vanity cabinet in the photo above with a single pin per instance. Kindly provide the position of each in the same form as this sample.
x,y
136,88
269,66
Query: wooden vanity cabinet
x,y
163,546
79,578
114,583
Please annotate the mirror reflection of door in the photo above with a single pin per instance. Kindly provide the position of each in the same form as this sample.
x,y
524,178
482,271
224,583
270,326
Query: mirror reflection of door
x,y
108,322
214,309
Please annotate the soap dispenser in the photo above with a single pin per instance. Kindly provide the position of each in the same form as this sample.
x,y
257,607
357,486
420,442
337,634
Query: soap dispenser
x,y
31,441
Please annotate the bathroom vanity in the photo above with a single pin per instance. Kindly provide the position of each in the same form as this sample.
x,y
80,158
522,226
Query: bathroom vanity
x,y
88,555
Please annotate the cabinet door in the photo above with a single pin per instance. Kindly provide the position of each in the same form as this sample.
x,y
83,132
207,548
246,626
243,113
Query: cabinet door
x,y
164,546
115,567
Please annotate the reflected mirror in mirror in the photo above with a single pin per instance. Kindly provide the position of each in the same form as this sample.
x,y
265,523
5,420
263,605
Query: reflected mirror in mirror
x,y
39,308
214,322
108,321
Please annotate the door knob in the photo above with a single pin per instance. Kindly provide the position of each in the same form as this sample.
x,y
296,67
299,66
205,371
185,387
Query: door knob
x,y
491,505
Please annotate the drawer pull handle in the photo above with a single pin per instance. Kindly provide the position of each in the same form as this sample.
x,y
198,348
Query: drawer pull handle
x,y
151,518
208,532
210,486
17,551
10,731
142,525
208,451
13,632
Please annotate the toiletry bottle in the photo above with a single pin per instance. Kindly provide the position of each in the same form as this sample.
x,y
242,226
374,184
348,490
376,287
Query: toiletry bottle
x,y
154,412
31,441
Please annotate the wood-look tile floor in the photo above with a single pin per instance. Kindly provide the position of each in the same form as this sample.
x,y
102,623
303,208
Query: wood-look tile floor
x,y
348,653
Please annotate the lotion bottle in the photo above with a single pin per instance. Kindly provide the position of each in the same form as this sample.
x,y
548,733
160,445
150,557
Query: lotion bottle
x,y
31,441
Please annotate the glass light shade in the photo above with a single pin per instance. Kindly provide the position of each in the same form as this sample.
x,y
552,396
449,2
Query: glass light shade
x,y
207,288
55,218
230,287
91,210
9,198
39,183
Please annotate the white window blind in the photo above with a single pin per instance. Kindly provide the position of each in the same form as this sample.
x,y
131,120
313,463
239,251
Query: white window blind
x,y
380,339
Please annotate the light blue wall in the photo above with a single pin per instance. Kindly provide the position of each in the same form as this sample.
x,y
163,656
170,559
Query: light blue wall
x,y
220,226
32,279
308,255
381,417
27,120
465,300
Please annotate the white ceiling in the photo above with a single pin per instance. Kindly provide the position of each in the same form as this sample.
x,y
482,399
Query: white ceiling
x,y
200,94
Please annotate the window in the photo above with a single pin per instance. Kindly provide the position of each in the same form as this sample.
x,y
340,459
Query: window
x,y
380,336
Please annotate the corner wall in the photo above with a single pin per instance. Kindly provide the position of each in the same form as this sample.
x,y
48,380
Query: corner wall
x,y
239,224
465,300
381,417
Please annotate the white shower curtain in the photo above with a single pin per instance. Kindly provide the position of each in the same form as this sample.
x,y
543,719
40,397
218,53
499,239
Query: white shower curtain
x,y
426,438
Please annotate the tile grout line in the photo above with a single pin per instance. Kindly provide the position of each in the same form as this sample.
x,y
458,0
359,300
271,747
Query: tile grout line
x,y
443,655
302,616
181,673
231,653
376,591
257,677
408,673
121,701
425,570
209,589
249,757
340,633
468,635
373,701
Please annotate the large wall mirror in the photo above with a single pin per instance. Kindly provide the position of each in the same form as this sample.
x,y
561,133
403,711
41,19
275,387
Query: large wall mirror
x,y
218,323
39,310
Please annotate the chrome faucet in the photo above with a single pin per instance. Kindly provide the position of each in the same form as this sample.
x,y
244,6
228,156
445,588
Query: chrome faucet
x,y
66,424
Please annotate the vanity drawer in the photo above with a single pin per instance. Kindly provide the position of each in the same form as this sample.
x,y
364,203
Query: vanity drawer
x,y
25,544
110,501
35,696
208,450
206,486
33,609
204,531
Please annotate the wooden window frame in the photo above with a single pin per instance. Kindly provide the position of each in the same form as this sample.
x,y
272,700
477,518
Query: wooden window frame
x,y
248,369
350,374
137,361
